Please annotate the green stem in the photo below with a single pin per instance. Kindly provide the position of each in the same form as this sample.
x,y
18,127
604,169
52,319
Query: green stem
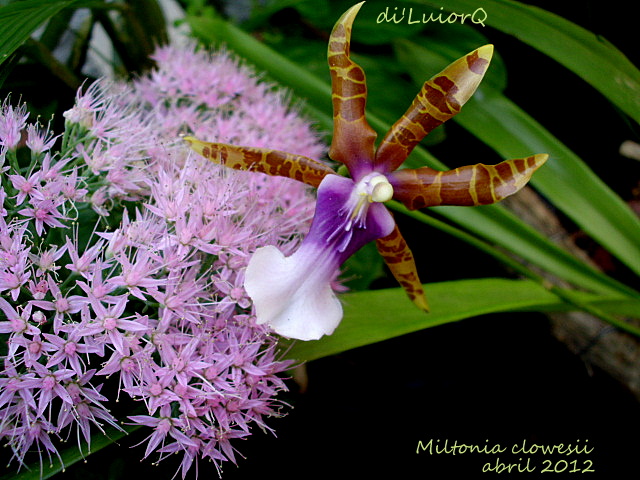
x,y
74,134
13,160
72,276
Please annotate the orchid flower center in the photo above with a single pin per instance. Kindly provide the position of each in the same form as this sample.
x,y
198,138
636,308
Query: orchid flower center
x,y
382,190
354,213
372,188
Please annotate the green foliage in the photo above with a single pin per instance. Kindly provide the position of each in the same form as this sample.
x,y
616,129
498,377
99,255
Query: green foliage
x,y
20,19
72,455
373,316
132,37
363,268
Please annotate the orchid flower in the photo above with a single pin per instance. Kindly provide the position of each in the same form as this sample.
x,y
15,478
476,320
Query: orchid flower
x,y
293,295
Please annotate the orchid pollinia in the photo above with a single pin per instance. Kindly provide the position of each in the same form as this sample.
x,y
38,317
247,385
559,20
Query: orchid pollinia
x,y
293,294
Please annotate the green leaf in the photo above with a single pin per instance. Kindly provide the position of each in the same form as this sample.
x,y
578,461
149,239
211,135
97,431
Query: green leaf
x,y
19,20
589,56
56,28
259,13
566,181
314,11
498,225
444,47
362,268
373,316
72,455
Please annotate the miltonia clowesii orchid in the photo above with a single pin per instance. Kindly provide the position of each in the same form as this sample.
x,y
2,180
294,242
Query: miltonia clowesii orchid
x,y
293,295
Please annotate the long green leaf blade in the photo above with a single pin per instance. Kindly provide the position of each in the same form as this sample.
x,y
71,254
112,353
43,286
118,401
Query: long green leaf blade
x,y
566,182
19,20
373,316
589,56
500,226
72,455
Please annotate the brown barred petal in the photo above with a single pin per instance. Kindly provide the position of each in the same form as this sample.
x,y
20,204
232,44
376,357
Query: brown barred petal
x,y
466,186
440,98
399,258
271,162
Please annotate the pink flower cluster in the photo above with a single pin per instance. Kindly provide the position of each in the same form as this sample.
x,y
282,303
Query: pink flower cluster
x,y
122,260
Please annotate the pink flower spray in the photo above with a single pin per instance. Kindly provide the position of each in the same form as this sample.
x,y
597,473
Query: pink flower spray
x,y
122,258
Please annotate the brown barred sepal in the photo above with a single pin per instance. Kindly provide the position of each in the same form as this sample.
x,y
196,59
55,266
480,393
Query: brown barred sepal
x,y
399,259
465,186
440,98
353,138
271,162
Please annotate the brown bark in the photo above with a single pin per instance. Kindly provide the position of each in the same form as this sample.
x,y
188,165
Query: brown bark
x,y
597,343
